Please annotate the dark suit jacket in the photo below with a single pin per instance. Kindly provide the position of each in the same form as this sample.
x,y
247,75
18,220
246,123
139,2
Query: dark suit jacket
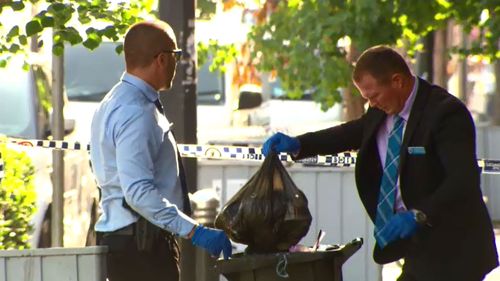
x,y
444,183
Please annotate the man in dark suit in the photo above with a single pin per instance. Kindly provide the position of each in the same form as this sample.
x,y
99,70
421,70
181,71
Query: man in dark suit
x,y
416,171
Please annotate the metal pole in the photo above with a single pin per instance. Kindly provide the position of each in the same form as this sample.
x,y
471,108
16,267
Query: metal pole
x,y
57,230
180,103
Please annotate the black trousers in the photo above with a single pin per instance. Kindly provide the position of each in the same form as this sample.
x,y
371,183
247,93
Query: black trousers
x,y
407,275
126,263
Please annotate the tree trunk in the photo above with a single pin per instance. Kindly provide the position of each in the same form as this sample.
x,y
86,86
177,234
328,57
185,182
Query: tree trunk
x,y
425,58
496,98
353,102
462,69
57,129
440,60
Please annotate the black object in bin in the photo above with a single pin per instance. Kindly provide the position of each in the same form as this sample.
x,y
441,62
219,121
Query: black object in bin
x,y
307,266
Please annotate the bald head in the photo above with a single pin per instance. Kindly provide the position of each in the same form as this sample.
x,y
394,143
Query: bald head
x,y
145,40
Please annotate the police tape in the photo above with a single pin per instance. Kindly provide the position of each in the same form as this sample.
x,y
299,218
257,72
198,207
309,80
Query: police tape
x,y
344,159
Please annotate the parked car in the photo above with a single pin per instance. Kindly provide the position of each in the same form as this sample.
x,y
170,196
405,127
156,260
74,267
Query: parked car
x,y
25,113
293,116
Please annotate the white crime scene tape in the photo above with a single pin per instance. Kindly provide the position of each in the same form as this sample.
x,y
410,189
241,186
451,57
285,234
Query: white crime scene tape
x,y
344,159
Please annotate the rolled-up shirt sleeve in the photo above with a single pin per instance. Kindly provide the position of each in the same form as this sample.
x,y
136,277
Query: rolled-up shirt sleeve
x,y
137,143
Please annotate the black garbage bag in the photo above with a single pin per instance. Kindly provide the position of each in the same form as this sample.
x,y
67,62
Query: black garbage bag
x,y
269,213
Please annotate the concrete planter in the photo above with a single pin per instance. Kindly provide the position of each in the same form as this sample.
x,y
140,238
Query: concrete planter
x,y
54,264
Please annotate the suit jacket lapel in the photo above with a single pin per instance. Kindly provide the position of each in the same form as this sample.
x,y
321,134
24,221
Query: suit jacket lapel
x,y
415,116
369,145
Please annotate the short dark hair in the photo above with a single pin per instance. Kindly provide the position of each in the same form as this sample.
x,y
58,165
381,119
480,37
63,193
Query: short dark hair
x,y
381,62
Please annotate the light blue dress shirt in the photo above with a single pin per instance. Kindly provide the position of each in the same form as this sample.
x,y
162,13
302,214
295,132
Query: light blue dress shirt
x,y
134,155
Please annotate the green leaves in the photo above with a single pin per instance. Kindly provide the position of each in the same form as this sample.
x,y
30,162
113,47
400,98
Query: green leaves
x,y
93,38
14,31
302,40
107,20
220,55
17,199
33,27
17,5
71,35
119,49
205,9
47,21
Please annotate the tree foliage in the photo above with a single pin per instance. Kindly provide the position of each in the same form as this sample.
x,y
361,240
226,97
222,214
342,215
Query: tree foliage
x,y
219,54
17,199
311,44
484,17
103,19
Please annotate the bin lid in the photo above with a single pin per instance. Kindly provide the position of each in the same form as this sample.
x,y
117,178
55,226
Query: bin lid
x,y
242,262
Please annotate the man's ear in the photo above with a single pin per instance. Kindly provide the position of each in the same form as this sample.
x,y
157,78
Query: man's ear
x,y
397,80
160,60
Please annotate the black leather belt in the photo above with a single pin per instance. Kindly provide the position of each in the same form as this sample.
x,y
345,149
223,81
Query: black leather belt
x,y
127,230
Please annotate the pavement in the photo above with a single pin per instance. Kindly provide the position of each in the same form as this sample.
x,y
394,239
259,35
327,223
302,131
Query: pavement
x,y
391,272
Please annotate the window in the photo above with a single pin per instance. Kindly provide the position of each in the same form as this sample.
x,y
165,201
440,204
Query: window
x,y
16,107
210,86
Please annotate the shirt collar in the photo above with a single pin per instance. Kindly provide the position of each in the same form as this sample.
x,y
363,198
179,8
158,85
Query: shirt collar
x,y
405,113
146,89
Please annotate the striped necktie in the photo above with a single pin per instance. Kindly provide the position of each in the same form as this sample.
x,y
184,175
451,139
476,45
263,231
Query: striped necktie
x,y
387,195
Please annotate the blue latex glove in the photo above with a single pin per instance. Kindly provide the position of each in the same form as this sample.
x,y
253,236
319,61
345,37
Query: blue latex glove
x,y
212,240
400,226
280,142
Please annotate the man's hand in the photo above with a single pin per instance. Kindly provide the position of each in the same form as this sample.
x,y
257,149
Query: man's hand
x,y
280,142
400,226
212,240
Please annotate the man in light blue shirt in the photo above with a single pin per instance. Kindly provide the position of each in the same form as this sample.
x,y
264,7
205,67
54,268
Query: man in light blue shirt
x,y
135,160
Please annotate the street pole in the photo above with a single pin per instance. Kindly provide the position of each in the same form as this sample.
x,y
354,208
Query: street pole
x,y
180,103
57,215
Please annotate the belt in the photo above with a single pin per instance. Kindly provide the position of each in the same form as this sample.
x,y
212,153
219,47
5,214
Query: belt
x,y
130,230
127,230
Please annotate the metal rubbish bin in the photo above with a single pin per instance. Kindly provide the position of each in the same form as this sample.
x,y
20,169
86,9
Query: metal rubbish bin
x,y
308,266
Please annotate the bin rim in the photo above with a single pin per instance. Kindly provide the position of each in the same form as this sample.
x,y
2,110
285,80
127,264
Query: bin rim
x,y
253,262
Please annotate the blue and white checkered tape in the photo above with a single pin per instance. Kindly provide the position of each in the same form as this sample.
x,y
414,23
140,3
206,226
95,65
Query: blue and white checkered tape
x,y
344,159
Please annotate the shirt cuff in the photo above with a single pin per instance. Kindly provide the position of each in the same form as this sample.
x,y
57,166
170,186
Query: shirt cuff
x,y
186,225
